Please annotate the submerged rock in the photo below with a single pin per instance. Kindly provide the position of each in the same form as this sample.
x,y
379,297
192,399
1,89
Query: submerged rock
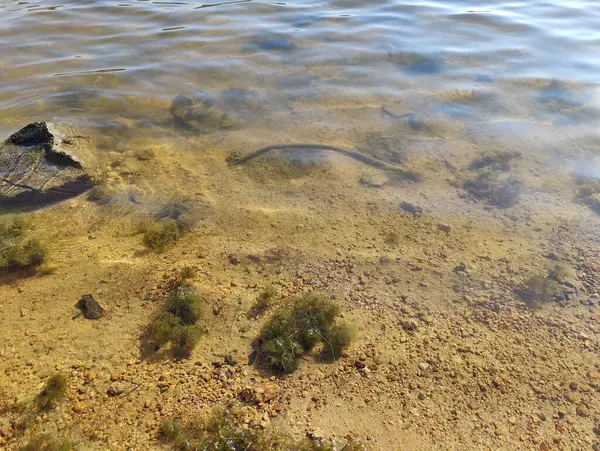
x,y
411,208
90,308
206,112
43,163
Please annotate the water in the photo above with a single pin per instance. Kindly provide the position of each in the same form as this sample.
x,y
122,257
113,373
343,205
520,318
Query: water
x,y
92,61
296,130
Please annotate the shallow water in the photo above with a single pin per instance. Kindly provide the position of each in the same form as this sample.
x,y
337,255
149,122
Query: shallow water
x,y
500,68
417,161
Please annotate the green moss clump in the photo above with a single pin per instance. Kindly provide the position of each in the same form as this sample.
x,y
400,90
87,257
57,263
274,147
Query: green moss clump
x,y
160,234
495,161
102,194
488,186
540,289
53,392
47,442
293,331
187,272
17,249
226,430
176,321
589,193
185,304
169,430
263,301
168,224
337,339
392,239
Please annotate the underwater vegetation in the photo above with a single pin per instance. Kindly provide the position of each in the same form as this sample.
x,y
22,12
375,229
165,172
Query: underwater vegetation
x,y
168,224
295,330
543,288
53,392
18,249
495,161
263,301
176,322
48,442
489,182
589,192
102,194
227,430
47,399
392,239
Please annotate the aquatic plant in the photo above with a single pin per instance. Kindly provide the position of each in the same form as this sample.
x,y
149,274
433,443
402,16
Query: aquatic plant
x,y
494,161
489,181
392,239
228,429
489,186
589,192
53,392
102,194
168,224
175,323
187,272
263,301
543,288
48,442
18,250
295,330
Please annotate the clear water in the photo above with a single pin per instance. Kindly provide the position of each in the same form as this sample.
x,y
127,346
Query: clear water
x,y
312,64
422,86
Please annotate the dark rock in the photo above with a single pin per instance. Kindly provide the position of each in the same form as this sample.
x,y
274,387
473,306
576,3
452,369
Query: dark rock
x,y
272,42
444,227
90,307
44,163
206,112
417,63
410,325
411,208
116,389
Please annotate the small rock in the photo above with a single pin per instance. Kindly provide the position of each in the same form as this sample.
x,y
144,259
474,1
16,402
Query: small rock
x,y
424,366
512,420
90,307
583,410
261,394
444,227
360,365
411,208
89,376
79,407
409,325
116,389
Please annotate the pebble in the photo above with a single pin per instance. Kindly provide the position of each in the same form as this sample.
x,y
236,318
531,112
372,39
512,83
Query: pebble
x,y
583,410
89,376
79,407
116,389
444,227
409,325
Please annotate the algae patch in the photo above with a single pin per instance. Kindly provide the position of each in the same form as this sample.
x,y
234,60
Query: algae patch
x,y
18,249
